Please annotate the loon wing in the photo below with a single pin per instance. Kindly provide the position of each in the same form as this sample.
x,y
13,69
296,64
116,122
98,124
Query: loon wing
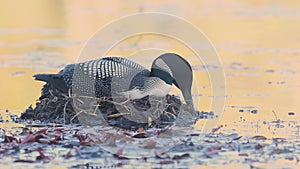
x,y
114,73
122,67
105,70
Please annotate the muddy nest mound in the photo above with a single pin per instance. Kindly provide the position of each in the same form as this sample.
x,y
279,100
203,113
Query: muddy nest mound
x,y
54,106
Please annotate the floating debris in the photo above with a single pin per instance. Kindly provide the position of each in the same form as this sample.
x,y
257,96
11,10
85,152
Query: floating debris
x,y
18,74
259,138
291,113
254,111
276,82
73,146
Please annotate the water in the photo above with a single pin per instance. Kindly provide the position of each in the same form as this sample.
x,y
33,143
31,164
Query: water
x,y
258,43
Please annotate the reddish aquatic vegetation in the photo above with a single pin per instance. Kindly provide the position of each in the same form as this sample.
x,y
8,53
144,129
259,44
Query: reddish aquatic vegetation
x,y
141,135
96,140
44,130
139,130
259,138
59,130
29,138
57,137
237,138
3,151
213,149
77,149
163,162
119,154
33,138
68,155
127,133
124,138
42,156
86,143
243,154
10,139
150,144
112,141
24,161
14,143
80,137
183,156
211,141
85,140
196,148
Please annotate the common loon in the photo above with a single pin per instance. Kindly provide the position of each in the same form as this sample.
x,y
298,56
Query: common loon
x,y
116,74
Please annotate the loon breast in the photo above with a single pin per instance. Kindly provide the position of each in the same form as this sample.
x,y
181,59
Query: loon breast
x,y
152,86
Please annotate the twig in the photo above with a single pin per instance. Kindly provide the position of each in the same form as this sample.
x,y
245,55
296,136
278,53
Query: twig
x,y
75,115
275,115
65,107
119,114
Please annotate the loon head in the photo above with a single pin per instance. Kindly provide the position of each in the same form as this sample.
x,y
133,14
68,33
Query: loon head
x,y
173,69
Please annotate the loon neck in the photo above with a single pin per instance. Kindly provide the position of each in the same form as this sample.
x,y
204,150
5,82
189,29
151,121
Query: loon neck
x,y
166,77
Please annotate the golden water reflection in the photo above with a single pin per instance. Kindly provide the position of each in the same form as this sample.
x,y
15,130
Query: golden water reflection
x,y
258,43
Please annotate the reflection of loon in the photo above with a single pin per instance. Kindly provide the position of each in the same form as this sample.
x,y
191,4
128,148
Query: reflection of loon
x,y
99,77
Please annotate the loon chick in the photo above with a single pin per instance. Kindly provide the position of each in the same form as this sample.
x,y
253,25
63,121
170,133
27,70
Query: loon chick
x,y
123,76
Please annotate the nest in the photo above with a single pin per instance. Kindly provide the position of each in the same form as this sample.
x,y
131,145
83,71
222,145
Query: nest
x,y
57,107
53,106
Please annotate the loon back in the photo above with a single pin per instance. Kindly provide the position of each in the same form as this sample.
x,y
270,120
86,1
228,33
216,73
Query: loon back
x,y
102,72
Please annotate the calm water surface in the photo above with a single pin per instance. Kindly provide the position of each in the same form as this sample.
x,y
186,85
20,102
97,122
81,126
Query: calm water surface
x,y
258,43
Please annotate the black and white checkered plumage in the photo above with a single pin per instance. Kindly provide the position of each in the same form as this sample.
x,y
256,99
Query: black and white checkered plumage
x,y
116,75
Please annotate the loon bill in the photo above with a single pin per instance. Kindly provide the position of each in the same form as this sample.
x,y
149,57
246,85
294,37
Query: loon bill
x,y
103,76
